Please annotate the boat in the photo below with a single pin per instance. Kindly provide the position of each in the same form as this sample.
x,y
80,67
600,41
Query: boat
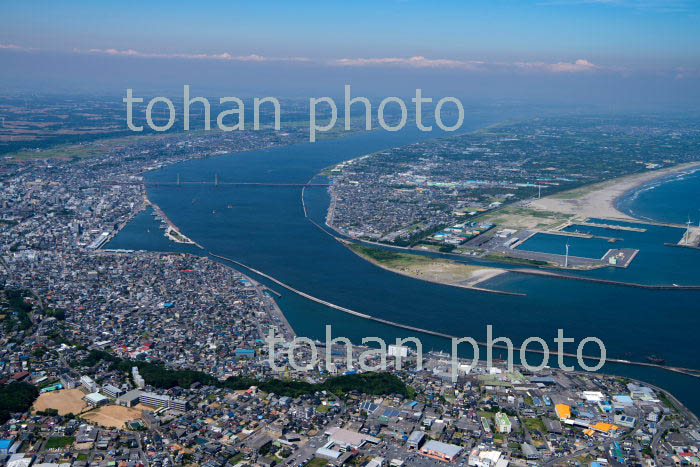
x,y
656,360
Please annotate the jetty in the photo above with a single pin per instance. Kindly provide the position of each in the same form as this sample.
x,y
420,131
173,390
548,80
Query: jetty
x,y
536,272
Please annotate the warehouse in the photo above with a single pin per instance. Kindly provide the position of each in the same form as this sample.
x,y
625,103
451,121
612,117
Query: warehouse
x,y
440,451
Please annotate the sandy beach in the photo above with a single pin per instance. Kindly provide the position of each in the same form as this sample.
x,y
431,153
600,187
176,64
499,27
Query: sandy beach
x,y
598,200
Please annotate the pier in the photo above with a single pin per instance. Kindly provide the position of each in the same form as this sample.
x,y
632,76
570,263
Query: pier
x,y
535,272
612,226
171,226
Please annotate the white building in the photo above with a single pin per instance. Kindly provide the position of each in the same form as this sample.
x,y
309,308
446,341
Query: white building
x,y
483,457
503,424
398,351
112,391
138,379
162,401
88,383
96,399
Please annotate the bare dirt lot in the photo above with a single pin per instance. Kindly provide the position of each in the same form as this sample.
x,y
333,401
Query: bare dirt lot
x,y
112,416
65,401
430,269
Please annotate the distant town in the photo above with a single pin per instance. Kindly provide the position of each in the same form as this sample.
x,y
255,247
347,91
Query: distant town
x,y
477,194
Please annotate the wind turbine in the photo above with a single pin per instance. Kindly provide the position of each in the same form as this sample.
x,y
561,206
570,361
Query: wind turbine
x,y
687,231
566,259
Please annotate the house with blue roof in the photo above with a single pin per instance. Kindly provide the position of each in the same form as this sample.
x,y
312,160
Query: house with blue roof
x,y
5,445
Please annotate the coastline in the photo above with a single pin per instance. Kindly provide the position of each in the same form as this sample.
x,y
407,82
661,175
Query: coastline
x,y
600,199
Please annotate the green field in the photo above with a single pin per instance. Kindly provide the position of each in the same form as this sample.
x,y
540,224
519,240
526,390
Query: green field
x,y
58,442
534,424
390,259
519,217
316,462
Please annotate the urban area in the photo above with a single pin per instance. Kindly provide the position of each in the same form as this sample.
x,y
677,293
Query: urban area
x,y
116,358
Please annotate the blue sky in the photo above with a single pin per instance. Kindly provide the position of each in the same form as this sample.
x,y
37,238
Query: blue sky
x,y
644,38
624,32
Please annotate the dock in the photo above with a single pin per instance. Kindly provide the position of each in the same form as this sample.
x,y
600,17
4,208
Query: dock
x,y
612,226
171,226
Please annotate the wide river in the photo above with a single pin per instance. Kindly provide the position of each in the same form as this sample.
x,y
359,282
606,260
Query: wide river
x,y
265,228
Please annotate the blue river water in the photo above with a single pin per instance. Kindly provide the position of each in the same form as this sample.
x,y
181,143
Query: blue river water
x,y
265,228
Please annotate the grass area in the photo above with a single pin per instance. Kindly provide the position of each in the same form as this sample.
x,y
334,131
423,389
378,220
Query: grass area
x,y
65,152
535,424
428,246
663,398
398,260
96,147
15,310
388,258
317,462
511,259
519,217
575,193
58,442
323,408
424,267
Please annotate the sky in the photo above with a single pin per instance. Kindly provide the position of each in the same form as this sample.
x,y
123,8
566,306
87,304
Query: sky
x,y
586,49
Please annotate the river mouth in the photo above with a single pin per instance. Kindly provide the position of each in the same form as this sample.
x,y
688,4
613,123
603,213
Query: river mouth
x,y
265,228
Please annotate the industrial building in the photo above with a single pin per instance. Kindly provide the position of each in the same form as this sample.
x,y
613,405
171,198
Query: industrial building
x,y
415,439
440,451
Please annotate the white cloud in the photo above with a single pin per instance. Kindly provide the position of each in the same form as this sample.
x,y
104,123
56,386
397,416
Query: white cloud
x,y
14,47
560,67
222,56
416,62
